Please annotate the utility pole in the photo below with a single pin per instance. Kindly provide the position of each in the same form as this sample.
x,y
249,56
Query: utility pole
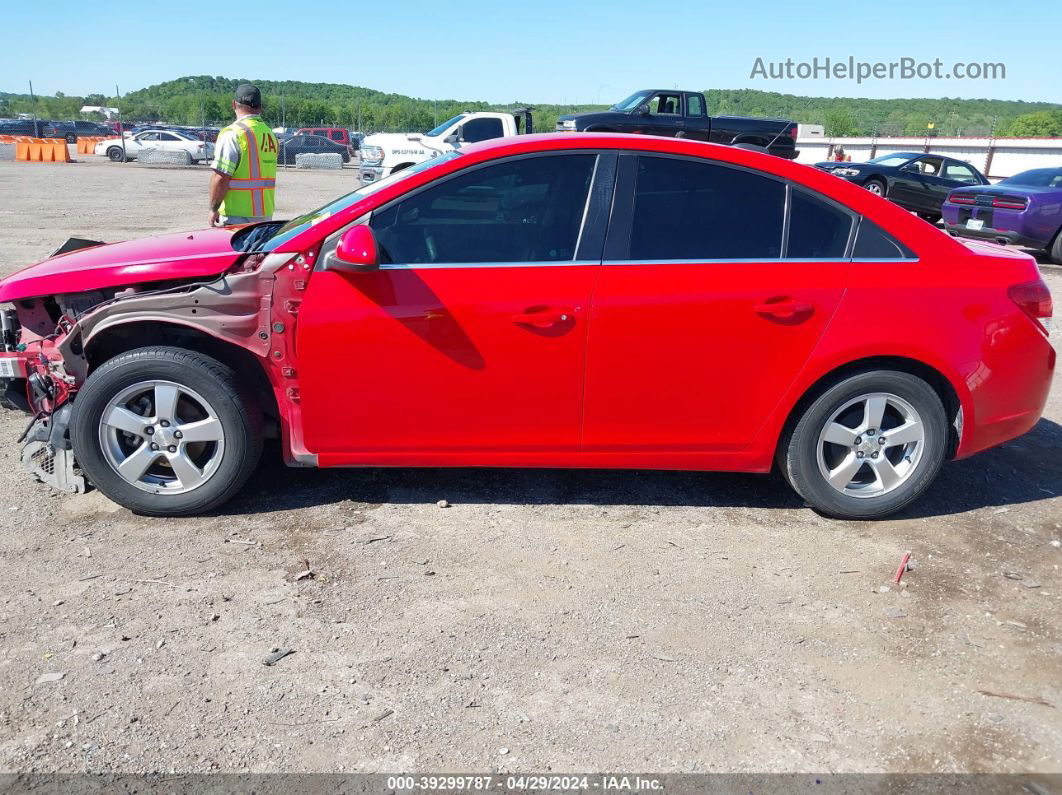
x,y
33,110
121,127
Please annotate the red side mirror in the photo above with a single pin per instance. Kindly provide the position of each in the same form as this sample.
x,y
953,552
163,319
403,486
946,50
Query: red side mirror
x,y
356,250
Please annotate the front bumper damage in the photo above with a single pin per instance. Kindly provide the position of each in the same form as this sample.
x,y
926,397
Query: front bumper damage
x,y
50,345
48,455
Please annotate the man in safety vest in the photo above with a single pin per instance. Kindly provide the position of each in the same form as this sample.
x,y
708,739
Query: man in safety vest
x,y
245,165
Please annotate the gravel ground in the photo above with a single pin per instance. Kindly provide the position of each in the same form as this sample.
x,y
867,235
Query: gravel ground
x,y
546,620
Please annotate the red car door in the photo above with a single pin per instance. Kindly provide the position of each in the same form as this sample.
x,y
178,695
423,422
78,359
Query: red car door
x,y
468,345
705,310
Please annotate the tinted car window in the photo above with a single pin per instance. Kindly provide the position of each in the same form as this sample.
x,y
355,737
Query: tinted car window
x,y
873,242
337,135
960,173
169,137
526,210
689,210
817,229
482,130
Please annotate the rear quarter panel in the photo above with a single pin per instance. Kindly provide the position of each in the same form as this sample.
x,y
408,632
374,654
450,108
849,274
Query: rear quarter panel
x,y
952,313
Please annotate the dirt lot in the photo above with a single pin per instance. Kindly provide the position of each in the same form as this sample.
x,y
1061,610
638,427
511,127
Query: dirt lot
x,y
545,621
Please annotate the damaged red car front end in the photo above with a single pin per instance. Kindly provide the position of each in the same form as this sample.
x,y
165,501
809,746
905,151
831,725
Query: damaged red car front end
x,y
205,291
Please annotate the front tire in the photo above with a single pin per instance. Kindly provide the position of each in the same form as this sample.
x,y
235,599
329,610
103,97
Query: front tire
x,y
868,446
165,431
877,187
115,154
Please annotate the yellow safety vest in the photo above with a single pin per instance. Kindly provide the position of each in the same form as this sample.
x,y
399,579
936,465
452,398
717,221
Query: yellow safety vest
x,y
252,185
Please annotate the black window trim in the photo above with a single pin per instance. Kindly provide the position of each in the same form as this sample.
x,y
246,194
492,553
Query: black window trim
x,y
617,239
589,241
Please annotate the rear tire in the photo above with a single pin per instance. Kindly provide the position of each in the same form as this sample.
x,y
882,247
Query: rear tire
x,y
837,438
165,431
1056,248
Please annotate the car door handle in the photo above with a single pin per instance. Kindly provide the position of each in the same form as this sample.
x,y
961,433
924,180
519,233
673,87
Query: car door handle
x,y
543,316
784,308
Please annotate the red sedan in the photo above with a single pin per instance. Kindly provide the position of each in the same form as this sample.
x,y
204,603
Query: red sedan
x,y
542,301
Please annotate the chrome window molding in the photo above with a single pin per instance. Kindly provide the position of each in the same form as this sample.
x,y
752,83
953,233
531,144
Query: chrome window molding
x,y
416,266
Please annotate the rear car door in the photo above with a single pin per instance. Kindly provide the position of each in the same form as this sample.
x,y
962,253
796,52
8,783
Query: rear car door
x,y
706,309
468,344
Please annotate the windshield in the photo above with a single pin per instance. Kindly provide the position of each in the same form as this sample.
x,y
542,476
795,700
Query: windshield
x,y
890,160
299,225
632,102
446,125
1037,178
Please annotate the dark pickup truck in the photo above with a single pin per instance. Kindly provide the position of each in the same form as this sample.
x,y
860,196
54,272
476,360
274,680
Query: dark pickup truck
x,y
684,114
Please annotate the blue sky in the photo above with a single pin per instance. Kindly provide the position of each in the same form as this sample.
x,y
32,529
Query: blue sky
x,y
535,50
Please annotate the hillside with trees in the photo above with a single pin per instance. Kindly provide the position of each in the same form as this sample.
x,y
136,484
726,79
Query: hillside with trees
x,y
204,99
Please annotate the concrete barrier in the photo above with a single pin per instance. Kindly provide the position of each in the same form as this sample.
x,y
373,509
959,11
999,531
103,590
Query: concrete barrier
x,y
7,151
329,160
161,157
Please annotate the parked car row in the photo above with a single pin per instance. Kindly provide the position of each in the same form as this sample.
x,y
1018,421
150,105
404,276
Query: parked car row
x,y
41,128
301,143
340,135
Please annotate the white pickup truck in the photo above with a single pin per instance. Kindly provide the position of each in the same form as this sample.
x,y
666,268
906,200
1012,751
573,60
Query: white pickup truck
x,y
383,154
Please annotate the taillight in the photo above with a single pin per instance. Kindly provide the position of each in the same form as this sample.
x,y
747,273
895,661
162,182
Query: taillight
x,y
962,198
1010,202
793,132
1034,299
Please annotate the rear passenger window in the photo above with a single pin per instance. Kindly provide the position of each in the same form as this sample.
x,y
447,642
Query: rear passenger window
x,y
689,210
873,242
817,230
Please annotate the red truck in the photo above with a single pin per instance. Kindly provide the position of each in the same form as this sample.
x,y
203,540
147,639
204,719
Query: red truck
x,y
583,300
339,135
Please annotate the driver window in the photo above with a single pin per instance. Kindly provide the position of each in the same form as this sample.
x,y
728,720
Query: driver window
x,y
665,104
930,166
525,210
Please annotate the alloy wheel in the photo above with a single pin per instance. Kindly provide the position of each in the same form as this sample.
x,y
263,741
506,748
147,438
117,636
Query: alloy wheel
x,y
871,445
162,437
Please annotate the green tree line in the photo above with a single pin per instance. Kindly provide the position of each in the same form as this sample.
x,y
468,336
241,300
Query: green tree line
x,y
204,99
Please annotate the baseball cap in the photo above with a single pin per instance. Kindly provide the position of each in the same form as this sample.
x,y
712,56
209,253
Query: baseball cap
x,y
249,95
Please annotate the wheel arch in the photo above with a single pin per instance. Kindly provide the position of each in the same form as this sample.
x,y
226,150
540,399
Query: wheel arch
x,y
118,338
941,384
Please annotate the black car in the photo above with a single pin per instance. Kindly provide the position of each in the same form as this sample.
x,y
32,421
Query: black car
x,y
684,114
42,128
39,128
309,144
914,180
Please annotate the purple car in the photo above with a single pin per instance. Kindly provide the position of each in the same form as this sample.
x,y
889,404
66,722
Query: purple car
x,y
1023,210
